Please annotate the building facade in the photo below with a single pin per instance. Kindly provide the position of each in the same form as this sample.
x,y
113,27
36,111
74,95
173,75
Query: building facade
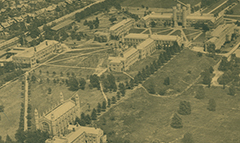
x,y
79,134
124,60
220,35
181,16
146,48
57,120
121,28
31,56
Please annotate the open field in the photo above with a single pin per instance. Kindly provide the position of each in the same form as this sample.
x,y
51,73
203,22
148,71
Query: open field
x,y
181,70
236,10
143,118
156,3
177,32
10,98
201,38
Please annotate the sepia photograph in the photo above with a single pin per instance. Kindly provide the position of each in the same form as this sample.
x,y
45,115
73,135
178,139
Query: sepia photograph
x,y
119,71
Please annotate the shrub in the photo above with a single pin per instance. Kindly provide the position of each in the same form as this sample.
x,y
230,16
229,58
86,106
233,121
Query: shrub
x,y
211,105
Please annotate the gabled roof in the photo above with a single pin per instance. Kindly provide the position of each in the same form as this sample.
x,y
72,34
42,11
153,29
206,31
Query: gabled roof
x,y
145,43
60,110
122,23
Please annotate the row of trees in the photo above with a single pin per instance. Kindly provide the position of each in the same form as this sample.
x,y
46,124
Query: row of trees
x,y
102,6
155,65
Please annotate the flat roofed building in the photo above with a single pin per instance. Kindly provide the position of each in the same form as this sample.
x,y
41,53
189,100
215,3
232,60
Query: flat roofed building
x,y
9,43
31,56
182,15
79,134
124,61
135,39
57,120
220,35
121,28
146,48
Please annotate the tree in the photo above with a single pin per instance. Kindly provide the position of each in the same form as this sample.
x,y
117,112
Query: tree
x,y
104,104
122,89
49,90
118,96
211,105
184,108
166,81
94,114
61,73
113,100
1,108
20,136
151,88
206,77
99,108
232,90
187,138
82,82
109,102
152,24
73,83
1,141
37,136
112,19
211,48
200,93
211,69
88,119
176,121
8,139
94,80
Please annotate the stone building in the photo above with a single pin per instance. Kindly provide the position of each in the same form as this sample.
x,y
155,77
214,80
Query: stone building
x,y
121,28
57,120
31,56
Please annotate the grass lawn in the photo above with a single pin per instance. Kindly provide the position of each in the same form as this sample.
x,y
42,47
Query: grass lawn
x,y
10,98
178,71
214,5
236,10
70,62
155,30
136,30
190,37
190,31
177,32
143,118
165,32
201,38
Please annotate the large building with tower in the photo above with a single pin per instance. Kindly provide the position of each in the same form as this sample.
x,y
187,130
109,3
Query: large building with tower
x,y
182,16
57,120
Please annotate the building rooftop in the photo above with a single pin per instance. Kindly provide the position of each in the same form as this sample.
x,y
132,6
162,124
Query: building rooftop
x,y
129,52
8,42
60,110
164,37
158,15
221,29
145,43
116,26
30,51
137,36
199,17
62,24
